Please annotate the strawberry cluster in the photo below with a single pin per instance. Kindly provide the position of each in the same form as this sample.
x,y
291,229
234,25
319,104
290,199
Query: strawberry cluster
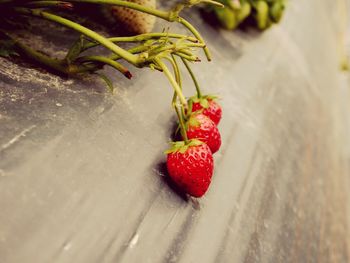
x,y
190,160
263,13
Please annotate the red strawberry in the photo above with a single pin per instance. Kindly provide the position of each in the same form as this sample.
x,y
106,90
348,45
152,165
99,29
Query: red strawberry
x,y
208,106
191,166
202,128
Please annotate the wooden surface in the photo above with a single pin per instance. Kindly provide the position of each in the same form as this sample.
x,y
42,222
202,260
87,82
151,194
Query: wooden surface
x,y
82,174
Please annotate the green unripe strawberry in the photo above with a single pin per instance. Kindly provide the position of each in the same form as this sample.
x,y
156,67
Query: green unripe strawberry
x,y
244,11
262,14
227,17
276,10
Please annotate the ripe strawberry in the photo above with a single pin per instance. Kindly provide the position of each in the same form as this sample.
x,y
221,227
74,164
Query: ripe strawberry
x,y
135,21
208,106
202,128
191,166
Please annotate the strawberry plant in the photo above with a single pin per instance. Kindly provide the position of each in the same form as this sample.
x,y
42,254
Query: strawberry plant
x,y
185,162
190,162
148,49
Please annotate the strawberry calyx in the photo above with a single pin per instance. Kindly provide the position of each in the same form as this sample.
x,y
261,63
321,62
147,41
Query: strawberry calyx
x,y
182,146
192,121
202,100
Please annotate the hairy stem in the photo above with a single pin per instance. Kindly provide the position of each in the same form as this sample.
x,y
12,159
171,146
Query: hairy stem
x,y
172,81
152,11
133,59
143,37
182,124
109,62
197,35
199,93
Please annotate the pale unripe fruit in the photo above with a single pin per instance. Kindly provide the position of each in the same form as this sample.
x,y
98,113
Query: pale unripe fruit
x,y
135,21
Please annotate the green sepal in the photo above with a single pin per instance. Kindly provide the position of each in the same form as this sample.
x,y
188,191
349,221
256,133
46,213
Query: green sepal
x,y
75,49
106,80
182,147
192,121
203,101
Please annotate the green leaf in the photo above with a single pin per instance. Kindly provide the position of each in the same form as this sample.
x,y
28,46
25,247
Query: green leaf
x,y
106,80
75,49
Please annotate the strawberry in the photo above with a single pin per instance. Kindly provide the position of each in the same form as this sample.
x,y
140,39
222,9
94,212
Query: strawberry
x,y
208,106
191,166
202,128
135,21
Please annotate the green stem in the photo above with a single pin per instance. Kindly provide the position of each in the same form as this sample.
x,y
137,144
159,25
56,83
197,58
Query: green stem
x,y
196,34
180,115
174,47
172,81
187,57
54,64
134,50
152,11
109,62
199,93
61,4
143,37
177,69
85,31
182,125
170,16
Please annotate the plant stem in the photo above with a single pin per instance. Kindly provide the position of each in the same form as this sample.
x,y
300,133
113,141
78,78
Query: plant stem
x,y
177,69
199,93
109,62
174,47
152,11
172,81
54,64
182,125
85,31
61,4
143,37
134,50
196,34
187,57
170,16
